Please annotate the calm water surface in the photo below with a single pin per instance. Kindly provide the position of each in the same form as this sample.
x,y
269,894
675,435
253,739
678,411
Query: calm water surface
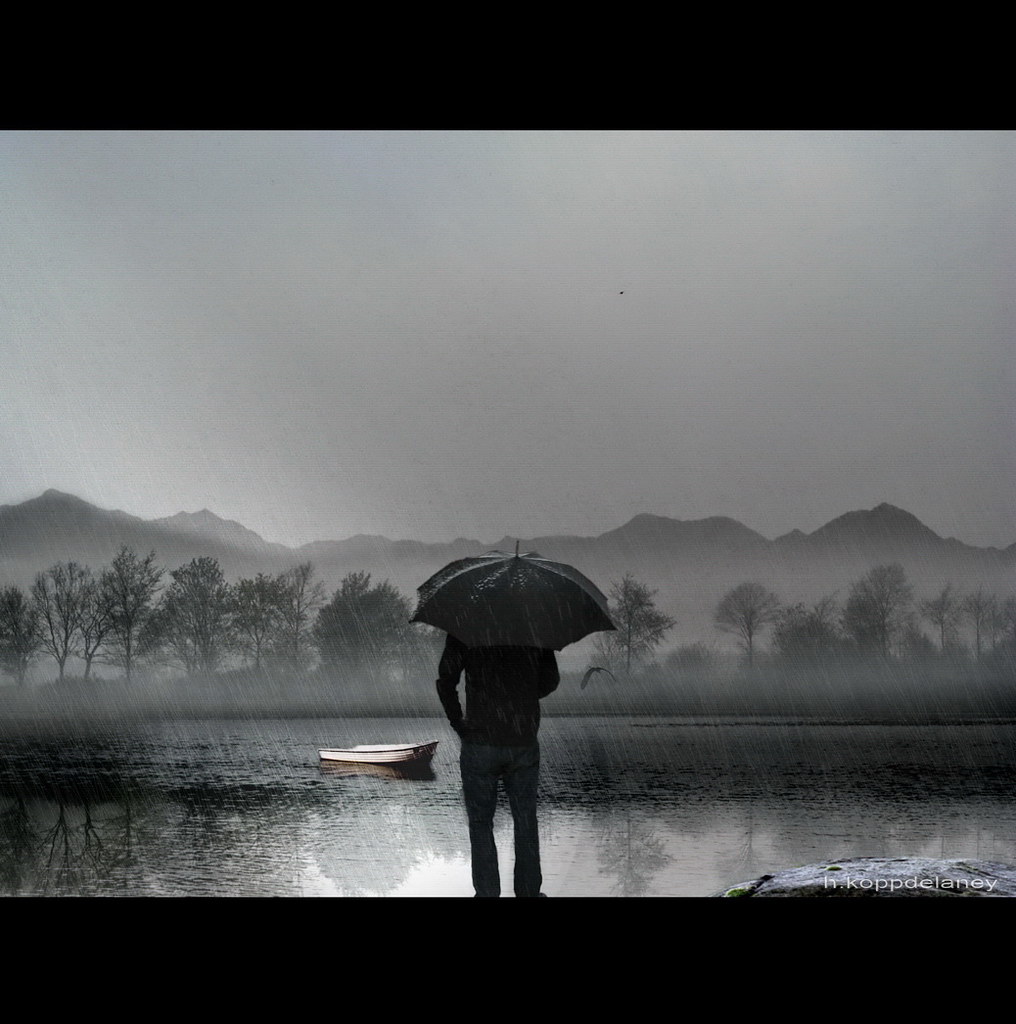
x,y
629,807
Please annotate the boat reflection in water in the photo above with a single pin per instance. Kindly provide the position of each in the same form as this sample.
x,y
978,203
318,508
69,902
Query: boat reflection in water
x,y
419,770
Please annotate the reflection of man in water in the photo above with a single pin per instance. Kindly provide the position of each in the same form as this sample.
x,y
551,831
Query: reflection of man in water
x,y
499,741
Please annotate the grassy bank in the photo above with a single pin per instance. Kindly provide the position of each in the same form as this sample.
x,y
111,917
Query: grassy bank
x,y
872,691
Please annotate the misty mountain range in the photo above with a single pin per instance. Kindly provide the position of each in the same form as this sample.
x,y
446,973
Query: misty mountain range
x,y
690,562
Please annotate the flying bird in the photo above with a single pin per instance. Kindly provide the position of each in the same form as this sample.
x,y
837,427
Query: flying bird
x,y
591,672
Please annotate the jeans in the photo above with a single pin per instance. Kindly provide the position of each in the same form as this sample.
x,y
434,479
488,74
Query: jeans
x,y
519,767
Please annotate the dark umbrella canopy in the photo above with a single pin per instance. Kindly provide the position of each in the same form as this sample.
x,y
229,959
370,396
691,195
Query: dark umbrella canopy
x,y
516,600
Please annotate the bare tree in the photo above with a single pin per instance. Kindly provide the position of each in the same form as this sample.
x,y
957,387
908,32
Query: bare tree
x,y
641,626
302,596
364,625
129,587
257,610
195,620
980,608
943,611
744,611
878,607
59,596
20,636
808,633
95,622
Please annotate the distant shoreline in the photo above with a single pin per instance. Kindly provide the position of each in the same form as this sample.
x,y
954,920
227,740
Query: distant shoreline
x,y
81,718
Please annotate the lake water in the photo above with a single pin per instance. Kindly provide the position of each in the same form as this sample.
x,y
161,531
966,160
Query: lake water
x,y
629,807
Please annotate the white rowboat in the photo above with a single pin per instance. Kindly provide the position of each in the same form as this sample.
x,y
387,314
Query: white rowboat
x,y
383,753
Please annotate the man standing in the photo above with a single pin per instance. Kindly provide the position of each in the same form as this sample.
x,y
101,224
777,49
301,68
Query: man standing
x,y
504,686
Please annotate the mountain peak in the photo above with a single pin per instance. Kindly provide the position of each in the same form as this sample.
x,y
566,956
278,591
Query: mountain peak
x,y
203,516
56,501
52,494
698,531
885,509
882,518
207,523
794,536
649,519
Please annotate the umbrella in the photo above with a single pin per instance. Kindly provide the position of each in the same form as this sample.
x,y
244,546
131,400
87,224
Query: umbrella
x,y
516,600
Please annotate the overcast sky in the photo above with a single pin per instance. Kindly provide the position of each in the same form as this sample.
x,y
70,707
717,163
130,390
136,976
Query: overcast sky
x,y
432,334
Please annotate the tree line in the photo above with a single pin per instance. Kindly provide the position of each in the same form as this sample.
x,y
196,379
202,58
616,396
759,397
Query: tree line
x,y
133,611
880,617
192,618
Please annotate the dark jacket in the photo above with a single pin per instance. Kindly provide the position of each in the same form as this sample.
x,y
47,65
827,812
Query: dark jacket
x,y
503,690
